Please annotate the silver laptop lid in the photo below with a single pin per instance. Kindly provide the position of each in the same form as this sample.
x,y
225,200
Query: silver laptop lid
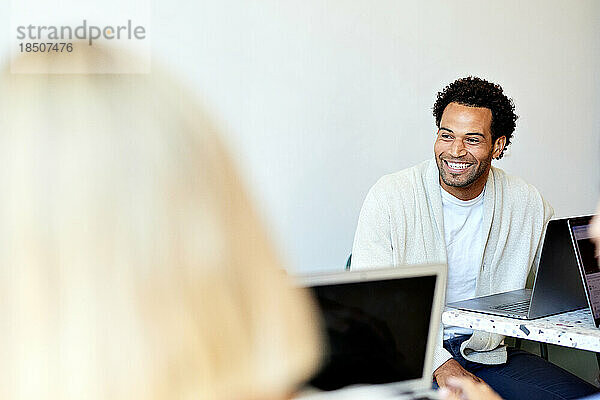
x,y
557,287
381,325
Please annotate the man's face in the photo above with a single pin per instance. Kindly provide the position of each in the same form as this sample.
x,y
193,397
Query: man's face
x,y
464,149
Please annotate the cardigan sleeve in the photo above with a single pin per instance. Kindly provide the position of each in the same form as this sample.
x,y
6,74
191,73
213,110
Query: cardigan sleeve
x,y
440,354
372,240
373,247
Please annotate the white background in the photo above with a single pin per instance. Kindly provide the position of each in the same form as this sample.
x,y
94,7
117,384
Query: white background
x,y
319,98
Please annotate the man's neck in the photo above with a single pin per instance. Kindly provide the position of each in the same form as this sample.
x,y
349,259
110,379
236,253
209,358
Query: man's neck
x,y
469,192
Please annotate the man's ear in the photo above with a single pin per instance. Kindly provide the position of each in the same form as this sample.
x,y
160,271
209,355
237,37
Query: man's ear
x,y
499,146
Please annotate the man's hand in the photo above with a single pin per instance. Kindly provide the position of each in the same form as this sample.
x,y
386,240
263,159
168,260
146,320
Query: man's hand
x,y
466,389
452,368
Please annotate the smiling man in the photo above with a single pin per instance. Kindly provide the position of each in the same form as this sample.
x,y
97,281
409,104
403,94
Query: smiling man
x,y
486,225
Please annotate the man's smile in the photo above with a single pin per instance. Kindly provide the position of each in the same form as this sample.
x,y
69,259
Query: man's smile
x,y
457,167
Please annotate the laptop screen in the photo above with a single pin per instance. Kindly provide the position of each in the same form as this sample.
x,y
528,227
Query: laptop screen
x,y
377,330
588,262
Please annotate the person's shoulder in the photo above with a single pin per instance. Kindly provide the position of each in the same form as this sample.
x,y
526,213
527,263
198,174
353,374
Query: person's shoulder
x,y
517,194
402,178
515,186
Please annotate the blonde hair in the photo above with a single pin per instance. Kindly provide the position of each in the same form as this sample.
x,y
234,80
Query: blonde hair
x,y
132,263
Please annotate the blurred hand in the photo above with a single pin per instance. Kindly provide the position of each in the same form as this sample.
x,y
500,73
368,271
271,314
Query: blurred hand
x,y
452,368
595,231
467,389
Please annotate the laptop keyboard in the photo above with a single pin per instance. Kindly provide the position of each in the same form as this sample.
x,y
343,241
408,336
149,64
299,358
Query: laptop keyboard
x,y
519,307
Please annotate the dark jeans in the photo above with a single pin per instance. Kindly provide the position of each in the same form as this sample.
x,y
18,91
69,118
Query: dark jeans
x,y
524,376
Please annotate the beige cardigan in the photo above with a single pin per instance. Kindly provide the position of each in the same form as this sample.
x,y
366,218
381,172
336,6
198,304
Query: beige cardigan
x,y
401,223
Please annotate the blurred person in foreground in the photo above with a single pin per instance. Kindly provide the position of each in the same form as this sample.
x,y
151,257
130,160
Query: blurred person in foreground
x,y
133,265
467,389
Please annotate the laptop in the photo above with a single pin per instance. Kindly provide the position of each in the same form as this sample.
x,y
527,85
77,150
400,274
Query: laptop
x,y
587,262
381,326
557,287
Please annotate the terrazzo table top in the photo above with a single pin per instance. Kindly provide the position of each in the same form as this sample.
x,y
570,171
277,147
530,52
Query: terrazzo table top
x,y
571,329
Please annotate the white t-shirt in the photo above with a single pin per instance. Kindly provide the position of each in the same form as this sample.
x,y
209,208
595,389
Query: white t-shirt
x,y
464,247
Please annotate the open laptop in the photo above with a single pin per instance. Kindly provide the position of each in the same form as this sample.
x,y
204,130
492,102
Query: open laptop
x,y
587,261
381,326
557,287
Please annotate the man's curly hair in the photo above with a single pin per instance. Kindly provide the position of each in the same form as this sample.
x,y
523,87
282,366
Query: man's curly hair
x,y
476,92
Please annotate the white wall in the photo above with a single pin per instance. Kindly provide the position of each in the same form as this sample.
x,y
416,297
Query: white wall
x,y
319,98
